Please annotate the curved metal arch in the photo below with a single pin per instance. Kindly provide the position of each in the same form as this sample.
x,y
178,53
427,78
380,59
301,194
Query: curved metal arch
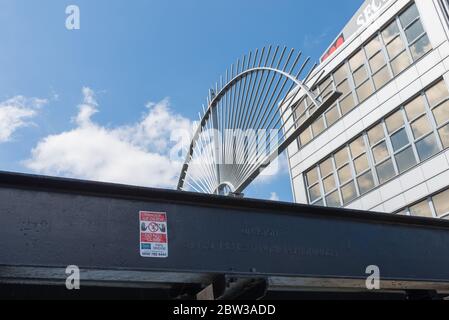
x,y
213,172
258,69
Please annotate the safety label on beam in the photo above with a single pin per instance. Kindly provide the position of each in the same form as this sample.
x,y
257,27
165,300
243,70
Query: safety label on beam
x,y
153,235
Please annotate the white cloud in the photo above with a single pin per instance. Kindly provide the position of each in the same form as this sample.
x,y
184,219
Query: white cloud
x,y
17,113
135,154
274,196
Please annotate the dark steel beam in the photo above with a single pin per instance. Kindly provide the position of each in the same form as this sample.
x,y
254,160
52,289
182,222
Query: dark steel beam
x,y
52,223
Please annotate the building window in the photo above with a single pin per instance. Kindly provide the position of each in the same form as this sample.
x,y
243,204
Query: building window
x,y
434,206
381,154
343,85
400,142
395,47
345,175
421,209
417,39
438,100
326,88
364,175
441,203
363,85
332,115
301,113
412,134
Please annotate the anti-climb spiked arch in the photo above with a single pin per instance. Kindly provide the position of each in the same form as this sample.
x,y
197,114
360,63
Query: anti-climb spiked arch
x,y
249,121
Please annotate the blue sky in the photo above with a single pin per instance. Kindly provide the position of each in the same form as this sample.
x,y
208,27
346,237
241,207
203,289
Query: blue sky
x,y
126,55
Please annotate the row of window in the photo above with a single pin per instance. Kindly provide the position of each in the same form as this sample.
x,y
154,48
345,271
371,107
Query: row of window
x,y
391,51
412,134
436,206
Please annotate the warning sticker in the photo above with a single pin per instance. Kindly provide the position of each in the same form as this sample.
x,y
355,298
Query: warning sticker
x,y
153,235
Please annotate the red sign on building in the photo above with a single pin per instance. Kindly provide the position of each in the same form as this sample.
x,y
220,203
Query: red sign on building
x,y
337,44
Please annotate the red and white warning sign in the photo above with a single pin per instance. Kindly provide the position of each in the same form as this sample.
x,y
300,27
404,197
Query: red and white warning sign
x,y
153,235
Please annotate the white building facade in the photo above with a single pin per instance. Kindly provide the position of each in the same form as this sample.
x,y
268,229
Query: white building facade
x,y
384,146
